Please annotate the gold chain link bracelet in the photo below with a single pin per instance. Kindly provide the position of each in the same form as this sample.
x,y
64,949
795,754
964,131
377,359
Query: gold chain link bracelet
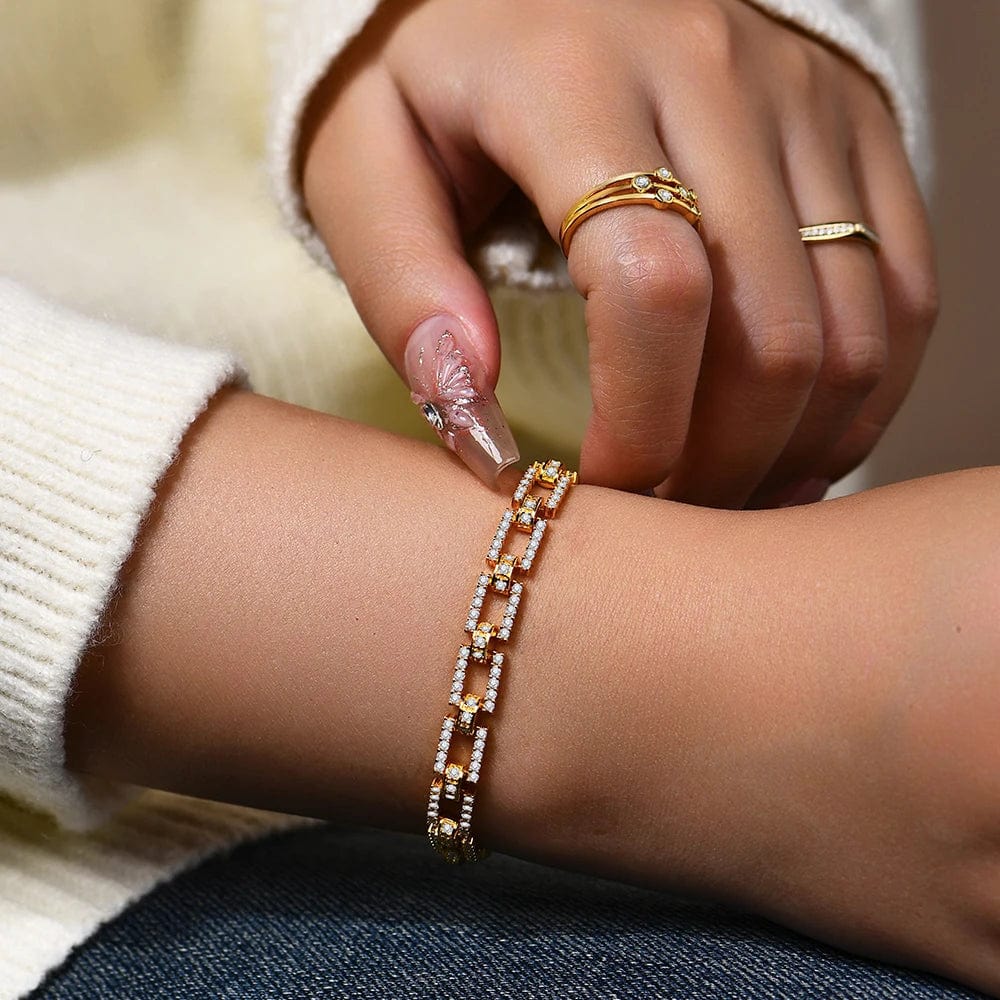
x,y
454,782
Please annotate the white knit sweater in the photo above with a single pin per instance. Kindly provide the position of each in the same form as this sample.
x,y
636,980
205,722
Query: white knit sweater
x,y
145,266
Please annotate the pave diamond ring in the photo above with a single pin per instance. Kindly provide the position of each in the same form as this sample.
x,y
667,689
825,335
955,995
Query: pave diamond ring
x,y
656,188
825,232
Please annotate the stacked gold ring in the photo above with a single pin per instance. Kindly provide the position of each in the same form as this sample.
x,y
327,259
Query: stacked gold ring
x,y
658,188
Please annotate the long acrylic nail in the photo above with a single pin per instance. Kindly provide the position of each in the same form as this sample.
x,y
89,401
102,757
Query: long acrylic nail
x,y
448,384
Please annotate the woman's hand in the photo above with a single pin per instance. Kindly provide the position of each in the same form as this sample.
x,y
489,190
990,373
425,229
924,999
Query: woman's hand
x,y
741,366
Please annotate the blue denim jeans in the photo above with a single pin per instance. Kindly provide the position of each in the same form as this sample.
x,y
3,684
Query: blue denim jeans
x,y
342,912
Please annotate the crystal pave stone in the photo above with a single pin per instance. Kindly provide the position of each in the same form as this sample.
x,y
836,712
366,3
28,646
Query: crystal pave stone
x,y
433,416
502,572
664,174
527,512
546,474
444,742
665,196
642,182
476,762
481,640
467,713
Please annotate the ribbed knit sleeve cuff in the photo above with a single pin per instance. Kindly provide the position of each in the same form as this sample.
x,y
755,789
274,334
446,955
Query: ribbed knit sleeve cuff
x,y
885,38
303,39
91,416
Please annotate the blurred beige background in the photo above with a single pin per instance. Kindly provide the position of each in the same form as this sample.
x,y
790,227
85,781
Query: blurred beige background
x,y
952,417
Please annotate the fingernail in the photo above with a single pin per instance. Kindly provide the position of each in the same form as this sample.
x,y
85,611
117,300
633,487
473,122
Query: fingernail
x,y
448,384
808,491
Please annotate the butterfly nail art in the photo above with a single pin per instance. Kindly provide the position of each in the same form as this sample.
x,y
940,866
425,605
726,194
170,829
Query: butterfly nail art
x,y
449,385
447,397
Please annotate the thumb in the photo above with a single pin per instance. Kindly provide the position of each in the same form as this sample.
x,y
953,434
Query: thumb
x,y
384,212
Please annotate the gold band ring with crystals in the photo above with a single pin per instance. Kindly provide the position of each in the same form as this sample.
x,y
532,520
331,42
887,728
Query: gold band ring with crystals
x,y
825,232
658,188
455,785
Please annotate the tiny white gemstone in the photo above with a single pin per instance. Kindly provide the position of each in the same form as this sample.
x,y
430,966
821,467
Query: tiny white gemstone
x,y
489,704
508,622
665,196
525,564
504,634
483,579
467,717
517,588
480,591
664,174
464,651
641,182
498,658
501,585
449,723
684,193
480,743
479,641
470,625
477,756
443,745
494,673
477,602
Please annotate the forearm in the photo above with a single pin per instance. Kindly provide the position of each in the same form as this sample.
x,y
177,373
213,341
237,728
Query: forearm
x,y
289,620
683,685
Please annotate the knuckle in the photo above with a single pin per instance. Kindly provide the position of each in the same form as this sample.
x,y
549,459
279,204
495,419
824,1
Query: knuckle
x,y
854,366
801,69
787,353
920,299
712,33
662,275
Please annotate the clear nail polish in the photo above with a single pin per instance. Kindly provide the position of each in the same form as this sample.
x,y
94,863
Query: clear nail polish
x,y
447,383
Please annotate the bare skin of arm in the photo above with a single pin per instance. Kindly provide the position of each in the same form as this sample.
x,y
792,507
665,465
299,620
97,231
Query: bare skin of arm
x,y
789,711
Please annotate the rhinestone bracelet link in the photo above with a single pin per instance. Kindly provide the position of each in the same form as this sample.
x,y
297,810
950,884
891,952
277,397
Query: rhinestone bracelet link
x,y
455,784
